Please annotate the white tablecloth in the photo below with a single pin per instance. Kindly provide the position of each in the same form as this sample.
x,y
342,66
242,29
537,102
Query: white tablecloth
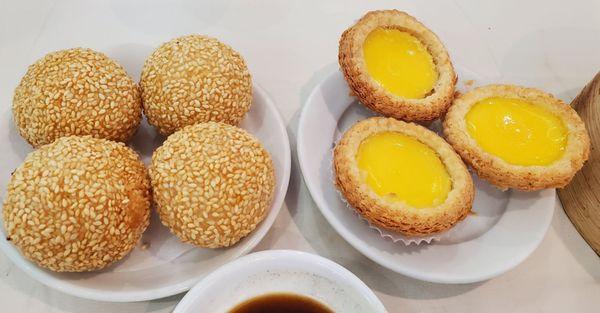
x,y
290,46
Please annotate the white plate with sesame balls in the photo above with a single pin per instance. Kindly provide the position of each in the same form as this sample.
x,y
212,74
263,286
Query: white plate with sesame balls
x,y
506,227
159,266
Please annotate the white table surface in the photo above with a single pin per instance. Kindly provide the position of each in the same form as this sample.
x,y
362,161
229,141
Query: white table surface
x,y
291,46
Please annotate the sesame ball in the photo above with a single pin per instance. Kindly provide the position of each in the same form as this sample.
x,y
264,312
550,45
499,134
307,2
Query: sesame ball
x,y
212,183
195,79
76,92
77,204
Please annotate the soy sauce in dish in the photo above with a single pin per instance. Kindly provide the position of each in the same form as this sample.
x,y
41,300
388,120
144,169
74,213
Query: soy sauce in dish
x,y
281,303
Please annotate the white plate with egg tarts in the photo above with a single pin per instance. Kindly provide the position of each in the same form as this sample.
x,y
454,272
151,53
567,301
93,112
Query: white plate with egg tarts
x,y
505,228
517,137
397,67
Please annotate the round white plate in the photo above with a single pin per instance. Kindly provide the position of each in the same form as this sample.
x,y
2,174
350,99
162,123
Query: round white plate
x,y
506,228
166,266
278,271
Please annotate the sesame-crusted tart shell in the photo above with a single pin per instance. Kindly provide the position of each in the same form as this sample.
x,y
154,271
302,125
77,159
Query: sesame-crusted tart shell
x,y
77,204
194,79
76,92
501,173
213,183
397,215
371,93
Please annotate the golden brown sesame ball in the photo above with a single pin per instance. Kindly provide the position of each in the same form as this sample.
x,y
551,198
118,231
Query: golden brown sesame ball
x,y
212,183
195,79
76,92
77,204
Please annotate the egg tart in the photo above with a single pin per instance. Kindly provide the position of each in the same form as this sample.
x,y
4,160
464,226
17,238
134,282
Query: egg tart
x,y
396,66
402,177
517,137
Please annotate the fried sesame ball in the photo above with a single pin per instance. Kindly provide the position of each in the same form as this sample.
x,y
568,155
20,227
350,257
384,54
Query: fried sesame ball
x,y
194,79
213,183
77,204
76,92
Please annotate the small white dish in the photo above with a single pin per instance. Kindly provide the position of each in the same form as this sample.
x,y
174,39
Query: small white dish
x,y
165,266
505,229
278,271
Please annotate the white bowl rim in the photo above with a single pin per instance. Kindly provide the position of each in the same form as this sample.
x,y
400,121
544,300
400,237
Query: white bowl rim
x,y
310,259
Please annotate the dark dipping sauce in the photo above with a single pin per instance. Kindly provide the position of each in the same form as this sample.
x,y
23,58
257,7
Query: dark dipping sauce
x,y
281,303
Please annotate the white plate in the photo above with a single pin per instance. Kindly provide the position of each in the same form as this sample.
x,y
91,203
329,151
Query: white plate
x,y
167,266
508,225
281,271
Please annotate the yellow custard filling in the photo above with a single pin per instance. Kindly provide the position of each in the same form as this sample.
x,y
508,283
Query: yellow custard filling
x,y
517,131
403,168
400,63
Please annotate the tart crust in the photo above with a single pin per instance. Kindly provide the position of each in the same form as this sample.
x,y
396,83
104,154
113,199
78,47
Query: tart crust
x,y
371,93
397,215
501,173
